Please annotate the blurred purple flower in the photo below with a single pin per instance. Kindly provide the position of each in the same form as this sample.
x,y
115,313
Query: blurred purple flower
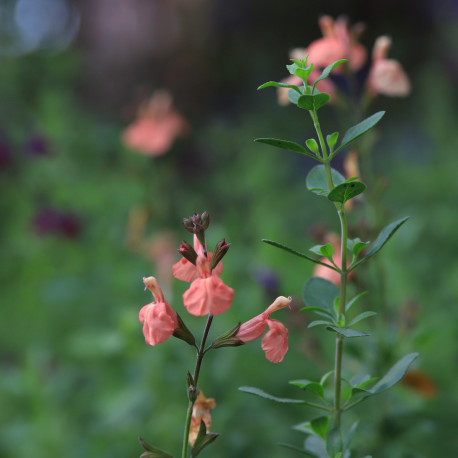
x,y
5,154
50,220
268,280
37,145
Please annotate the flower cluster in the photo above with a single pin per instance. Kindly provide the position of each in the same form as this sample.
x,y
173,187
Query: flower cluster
x,y
339,41
208,295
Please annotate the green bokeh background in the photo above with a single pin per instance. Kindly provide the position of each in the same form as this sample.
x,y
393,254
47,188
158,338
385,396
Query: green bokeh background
x,y
77,379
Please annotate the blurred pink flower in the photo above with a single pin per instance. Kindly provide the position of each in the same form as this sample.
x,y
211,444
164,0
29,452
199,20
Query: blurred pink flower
x,y
207,293
158,318
338,42
187,271
386,76
275,342
156,127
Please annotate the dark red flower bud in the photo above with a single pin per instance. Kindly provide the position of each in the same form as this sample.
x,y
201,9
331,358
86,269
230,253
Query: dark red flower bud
x,y
188,252
220,250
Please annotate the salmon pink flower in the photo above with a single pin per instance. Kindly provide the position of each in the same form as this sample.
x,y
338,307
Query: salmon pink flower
x,y
156,127
338,42
207,293
158,318
187,271
386,76
275,342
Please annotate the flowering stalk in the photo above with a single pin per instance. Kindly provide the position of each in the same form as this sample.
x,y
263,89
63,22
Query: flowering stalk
x,y
193,386
207,295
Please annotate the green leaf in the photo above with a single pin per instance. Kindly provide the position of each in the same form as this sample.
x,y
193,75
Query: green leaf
x,y
323,250
346,191
313,102
312,145
348,332
356,245
154,452
293,96
320,323
297,449
334,442
385,234
325,377
319,292
326,72
361,316
297,253
350,434
320,426
316,180
394,374
316,446
203,439
263,394
356,131
283,85
285,144
318,310
331,140
308,385
300,69
351,303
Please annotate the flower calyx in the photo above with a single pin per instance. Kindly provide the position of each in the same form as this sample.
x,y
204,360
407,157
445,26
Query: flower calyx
x,y
222,247
188,252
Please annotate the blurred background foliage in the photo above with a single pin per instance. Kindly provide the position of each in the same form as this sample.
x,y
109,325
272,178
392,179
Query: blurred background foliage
x,y
83,218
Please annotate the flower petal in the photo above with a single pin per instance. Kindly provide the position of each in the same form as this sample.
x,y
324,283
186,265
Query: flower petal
x,y
275,342
252,329
159,322
208,295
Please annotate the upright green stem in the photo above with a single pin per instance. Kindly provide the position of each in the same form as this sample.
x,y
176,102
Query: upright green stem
x,y
200,356
324,150
341,318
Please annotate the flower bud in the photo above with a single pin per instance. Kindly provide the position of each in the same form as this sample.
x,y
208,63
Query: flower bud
x,y
220,250
197,224
188,252
205,219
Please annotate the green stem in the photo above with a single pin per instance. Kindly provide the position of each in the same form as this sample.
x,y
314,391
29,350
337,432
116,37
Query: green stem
x,y
341,318
324,150
200,356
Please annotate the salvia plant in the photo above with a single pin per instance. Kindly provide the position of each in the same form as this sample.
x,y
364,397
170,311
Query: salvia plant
x,y
327,435
333,395
207,296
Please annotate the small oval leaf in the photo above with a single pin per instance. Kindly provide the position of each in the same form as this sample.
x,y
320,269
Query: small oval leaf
x,y
316,180
346,191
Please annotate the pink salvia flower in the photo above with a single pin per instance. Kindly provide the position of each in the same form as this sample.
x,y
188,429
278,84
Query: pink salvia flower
x,y
275,342
207,293
338,42
386,76
158,318
187,271
156,127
